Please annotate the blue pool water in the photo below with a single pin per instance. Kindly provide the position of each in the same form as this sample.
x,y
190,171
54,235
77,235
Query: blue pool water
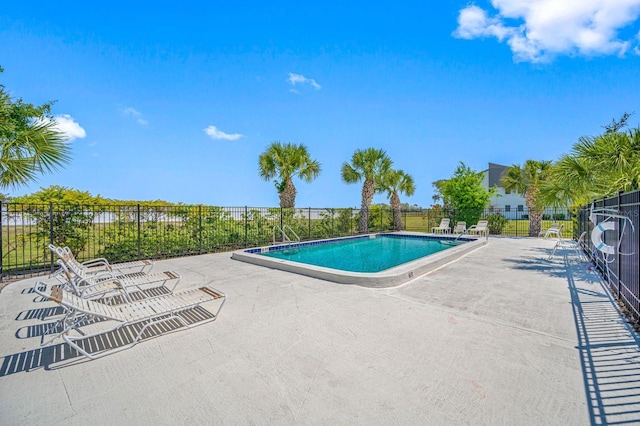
x,y
364,254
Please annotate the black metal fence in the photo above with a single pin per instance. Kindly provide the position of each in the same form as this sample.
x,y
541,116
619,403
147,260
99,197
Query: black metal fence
x,y
128,232
618,258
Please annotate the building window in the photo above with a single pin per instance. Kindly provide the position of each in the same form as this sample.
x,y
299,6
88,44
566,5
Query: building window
x,y
520,208
507,208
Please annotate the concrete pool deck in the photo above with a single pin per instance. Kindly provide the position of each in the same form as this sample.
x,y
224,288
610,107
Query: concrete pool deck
x,y
501,336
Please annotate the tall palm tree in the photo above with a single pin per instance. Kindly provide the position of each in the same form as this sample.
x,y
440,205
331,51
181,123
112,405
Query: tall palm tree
x,y
286,161
527,181
596,167
29,142
368,165
394,182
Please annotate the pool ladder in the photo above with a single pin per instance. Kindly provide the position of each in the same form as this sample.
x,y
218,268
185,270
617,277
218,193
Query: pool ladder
x,y
285,238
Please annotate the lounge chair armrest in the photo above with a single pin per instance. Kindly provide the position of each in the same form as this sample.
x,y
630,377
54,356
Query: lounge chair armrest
x,y
97,262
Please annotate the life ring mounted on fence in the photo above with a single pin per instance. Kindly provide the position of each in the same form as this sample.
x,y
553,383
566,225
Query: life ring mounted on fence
x,y
597,237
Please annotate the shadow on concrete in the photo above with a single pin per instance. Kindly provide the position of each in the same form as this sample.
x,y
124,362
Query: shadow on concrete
x,y
56,356
609,352
608,346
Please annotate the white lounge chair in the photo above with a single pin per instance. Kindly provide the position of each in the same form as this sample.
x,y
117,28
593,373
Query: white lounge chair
x,y
443,227
101,264
172,310
568,244
554,231
460,228
107,283
481,228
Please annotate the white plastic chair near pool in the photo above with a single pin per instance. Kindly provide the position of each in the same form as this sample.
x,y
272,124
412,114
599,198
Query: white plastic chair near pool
x,y
443,227
568,244
481,228
460,228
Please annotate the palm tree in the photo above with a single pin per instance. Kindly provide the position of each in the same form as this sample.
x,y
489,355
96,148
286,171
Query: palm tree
x,y
394,182
596,167
286,161
368,165
527,181
29,142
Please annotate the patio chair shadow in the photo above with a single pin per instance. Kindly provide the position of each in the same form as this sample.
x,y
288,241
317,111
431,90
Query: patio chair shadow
x,y
61,355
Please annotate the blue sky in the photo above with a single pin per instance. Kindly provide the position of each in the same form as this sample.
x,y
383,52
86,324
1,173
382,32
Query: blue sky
x,y
177,104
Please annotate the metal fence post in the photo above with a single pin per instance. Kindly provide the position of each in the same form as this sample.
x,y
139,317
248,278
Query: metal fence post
x,y
139,236
246,226
51,232
332,228
619,242
200,227
1,233
309,222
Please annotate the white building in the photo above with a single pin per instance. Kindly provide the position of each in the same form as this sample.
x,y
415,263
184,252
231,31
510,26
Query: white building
x,y
507,203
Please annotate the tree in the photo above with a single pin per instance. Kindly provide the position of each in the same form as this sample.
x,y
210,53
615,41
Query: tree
x,y
465,193
616,125
596,167
63,214
286,161
30,145
394,182
527,180
368,165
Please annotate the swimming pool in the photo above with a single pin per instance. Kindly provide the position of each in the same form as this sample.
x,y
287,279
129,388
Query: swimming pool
x,y
378,260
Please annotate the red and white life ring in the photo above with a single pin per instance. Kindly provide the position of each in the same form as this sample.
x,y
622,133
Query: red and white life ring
x,y
597,237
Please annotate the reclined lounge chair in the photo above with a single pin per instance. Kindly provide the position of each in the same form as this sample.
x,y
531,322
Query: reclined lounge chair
x,y
481,228
101,264
443,227
90,286
461,228
176,308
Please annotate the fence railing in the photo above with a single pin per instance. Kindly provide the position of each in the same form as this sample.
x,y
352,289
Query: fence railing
x,y
620,266
128,232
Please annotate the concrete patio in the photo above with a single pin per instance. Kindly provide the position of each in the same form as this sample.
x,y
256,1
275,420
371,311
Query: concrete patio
x,y
500,336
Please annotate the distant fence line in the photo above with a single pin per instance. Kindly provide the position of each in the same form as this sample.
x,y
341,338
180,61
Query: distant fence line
x,y
620,269
128,232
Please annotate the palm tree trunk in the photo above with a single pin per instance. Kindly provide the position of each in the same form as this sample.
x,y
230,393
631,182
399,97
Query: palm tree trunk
x,y
368,191
535,214
395,207
288,195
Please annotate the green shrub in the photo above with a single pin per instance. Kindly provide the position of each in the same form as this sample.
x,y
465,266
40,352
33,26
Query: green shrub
x,y
497,222
559,216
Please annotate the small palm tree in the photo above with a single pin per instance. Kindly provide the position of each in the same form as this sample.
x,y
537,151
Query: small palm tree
x,y
527,181
394,182
285,161
29,142
368,165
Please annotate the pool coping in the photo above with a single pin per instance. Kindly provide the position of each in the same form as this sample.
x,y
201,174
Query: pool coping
x,y
391,277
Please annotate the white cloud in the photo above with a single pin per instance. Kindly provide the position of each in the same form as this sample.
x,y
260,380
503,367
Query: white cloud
x,y
132,112
67,125
295,79
538,30
216,134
